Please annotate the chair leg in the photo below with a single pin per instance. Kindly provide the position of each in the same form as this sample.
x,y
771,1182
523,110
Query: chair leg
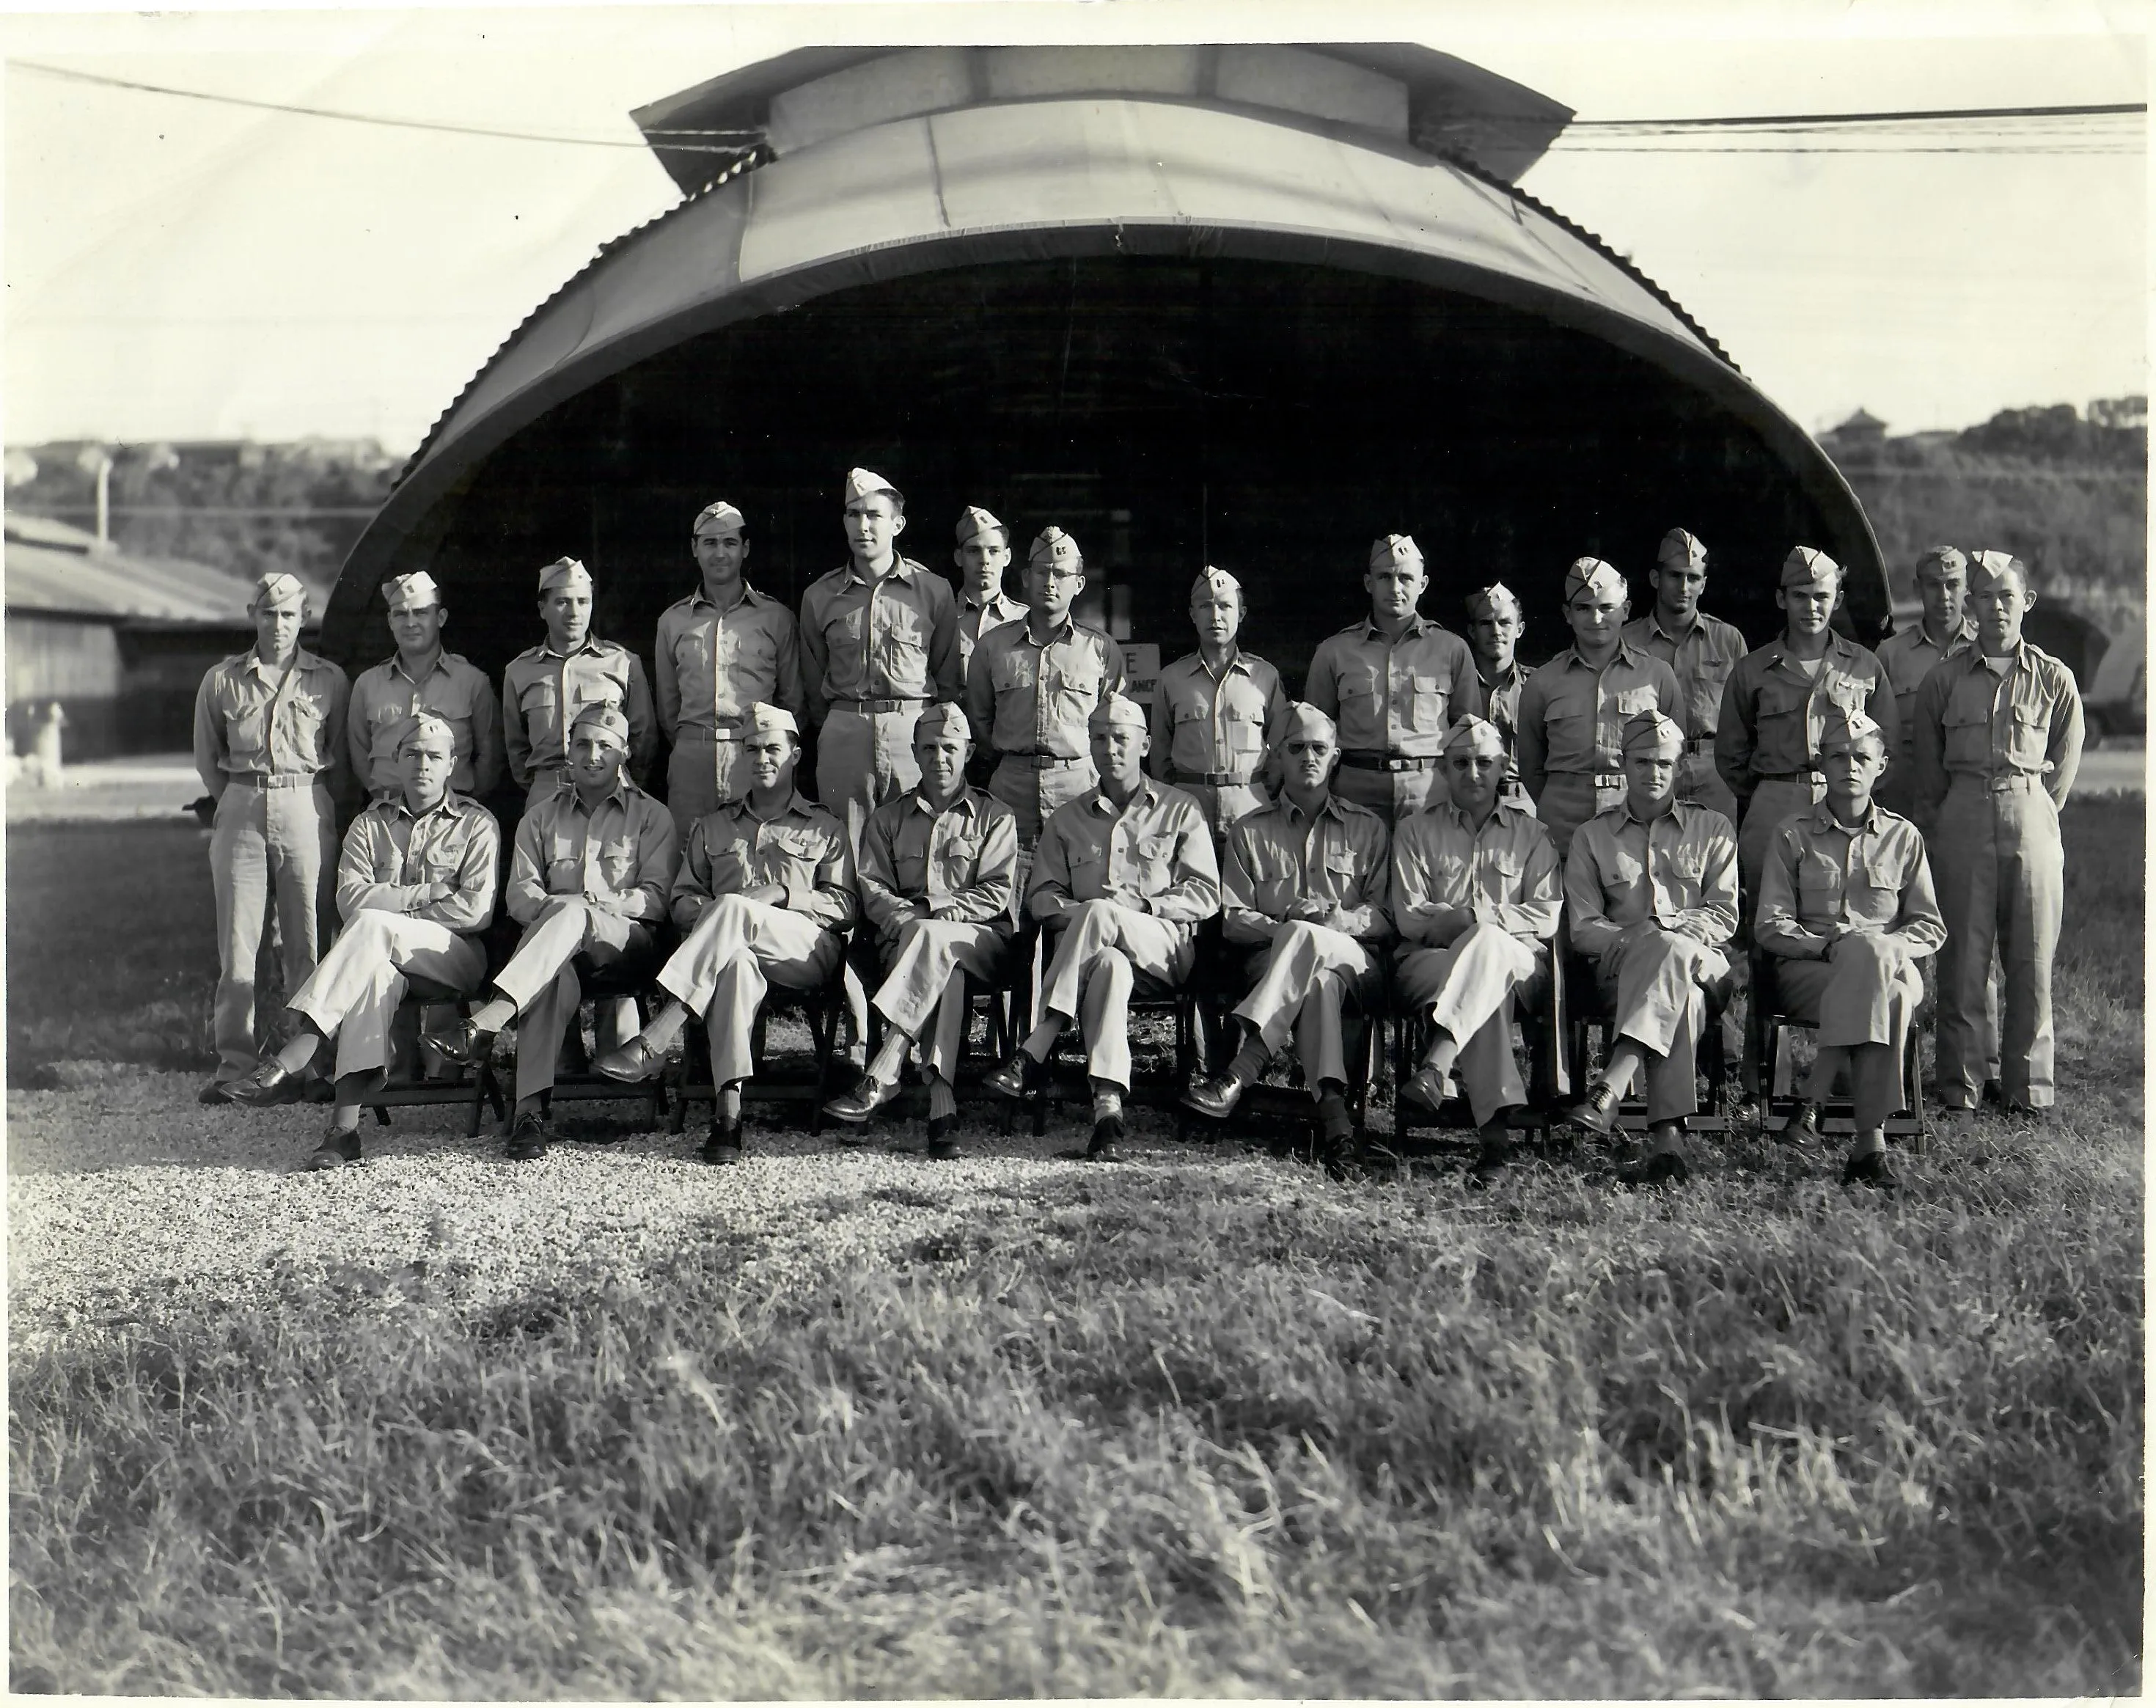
x,y
382,1116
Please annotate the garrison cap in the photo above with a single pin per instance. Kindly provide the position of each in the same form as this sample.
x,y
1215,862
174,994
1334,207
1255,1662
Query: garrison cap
x,y
411,593
1591,575
942,719
1305,721
1651,732
974,522
1395,548
567,573
866,483
425,723
278,588
1681,550
1998,563
1116,709
1941,560
1807,564
1493,601
607,720
1475,736
724,514
764,718
1843,726
1054,547
1215,581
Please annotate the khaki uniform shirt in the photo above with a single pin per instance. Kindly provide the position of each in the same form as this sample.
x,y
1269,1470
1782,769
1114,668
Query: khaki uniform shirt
x,y
1154,854
975,620
254,720
455,691
1702,662
1278,856
623,855
960,863
1212,730
1971,723
390,854
1873,879
1573,715
709,664
542,691
1908,656
1504,874
1026,696
895,638
1679,872
1393,696
1772,713
802,848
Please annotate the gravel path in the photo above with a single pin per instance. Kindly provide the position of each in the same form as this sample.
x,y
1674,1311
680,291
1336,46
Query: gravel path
x,y
124,1190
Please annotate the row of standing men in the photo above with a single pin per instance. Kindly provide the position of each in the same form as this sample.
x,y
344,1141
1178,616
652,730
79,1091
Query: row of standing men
x,y
878,640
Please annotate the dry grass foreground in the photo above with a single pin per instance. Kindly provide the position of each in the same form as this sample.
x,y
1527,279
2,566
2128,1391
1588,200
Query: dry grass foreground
x,y
1203,1424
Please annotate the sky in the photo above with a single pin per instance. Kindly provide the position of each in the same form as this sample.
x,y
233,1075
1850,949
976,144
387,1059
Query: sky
x,y
176,269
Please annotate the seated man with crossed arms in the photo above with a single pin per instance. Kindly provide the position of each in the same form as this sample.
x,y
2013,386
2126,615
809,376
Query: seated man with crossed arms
x,y
415,886
1305,892
765,893
588,880
1847,910
1650,887
938,868
1127,870
1475,896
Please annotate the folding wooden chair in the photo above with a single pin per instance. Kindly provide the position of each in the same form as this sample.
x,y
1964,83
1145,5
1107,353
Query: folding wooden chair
x,y
1587,1012
1775,1019
1066,1080
822,1007
1541,1032
407,1086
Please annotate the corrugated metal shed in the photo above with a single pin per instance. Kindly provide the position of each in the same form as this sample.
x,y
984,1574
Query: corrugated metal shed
x,y
55,569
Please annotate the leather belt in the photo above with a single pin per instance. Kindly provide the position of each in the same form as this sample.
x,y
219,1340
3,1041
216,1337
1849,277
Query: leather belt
x,y
1805,776
1366,759
2011,782
872,708
256,780
1700,744
724,729
1047,762
1596,779
1214,779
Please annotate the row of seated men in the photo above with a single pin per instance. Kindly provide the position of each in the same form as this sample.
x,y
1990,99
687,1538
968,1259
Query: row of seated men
x,y
1466,896
1988,755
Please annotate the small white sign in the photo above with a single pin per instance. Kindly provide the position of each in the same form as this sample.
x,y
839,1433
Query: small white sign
x,y
1141,670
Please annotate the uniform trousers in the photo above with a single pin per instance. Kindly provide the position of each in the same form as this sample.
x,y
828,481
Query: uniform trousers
x,y
546,779
353,992
1103,947
1771,802
2001,876
1863,996
1304,981
541,978
739,949
1657,985
266,841
1700,784
1514,794
1392,795
700,772
1033,792
864,759
1471,988
925,968
1224,803
1569,798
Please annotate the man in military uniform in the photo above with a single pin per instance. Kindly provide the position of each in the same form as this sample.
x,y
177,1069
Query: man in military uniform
x,y
982,557
1847,911
765,896
547,687
1476,900
1033,684
1998,743
415,886
421,676
718,653
1573,709
1128,872
1766,746
1650,889
1393,683
1701,651
1217,713
1494,623
938,872
1304,902
1910,654
589,876
269,747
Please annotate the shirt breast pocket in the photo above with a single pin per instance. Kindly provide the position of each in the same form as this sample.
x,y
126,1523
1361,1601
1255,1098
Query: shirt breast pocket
x,y
617,861
962,856
244,733
1156,860
846,625
1342,865
904,636
304,720
1965,730
565,866
1626,868
2031,736
1362,705
1875,890
540,703
1428,700
1077,688
1012,670
1499,870
1631,701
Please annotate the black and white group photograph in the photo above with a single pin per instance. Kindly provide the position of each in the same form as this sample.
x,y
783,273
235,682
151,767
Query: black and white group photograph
x,y
1038,848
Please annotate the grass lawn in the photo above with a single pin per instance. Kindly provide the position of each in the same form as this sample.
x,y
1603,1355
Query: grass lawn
x,y
1212,1426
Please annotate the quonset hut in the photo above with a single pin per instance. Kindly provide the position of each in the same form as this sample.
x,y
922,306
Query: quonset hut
x,y
1246,304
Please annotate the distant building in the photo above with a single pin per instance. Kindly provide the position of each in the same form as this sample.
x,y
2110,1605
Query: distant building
x,y
1862,431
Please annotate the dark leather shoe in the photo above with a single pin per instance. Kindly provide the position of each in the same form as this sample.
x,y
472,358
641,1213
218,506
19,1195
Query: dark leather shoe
x,y
527,1138
1993,1093
1019,1077
942,1147
1872,1168
460,1042
631,1063
1214,1098
1597,1113
1483,1172
858,1104
1803,1128
722,1144
339,1146
270,1083
217,1091
1663,1168
1107,1136
1423,1091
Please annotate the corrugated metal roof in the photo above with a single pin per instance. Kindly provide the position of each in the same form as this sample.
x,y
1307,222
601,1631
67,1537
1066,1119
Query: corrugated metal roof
x,y
60,571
